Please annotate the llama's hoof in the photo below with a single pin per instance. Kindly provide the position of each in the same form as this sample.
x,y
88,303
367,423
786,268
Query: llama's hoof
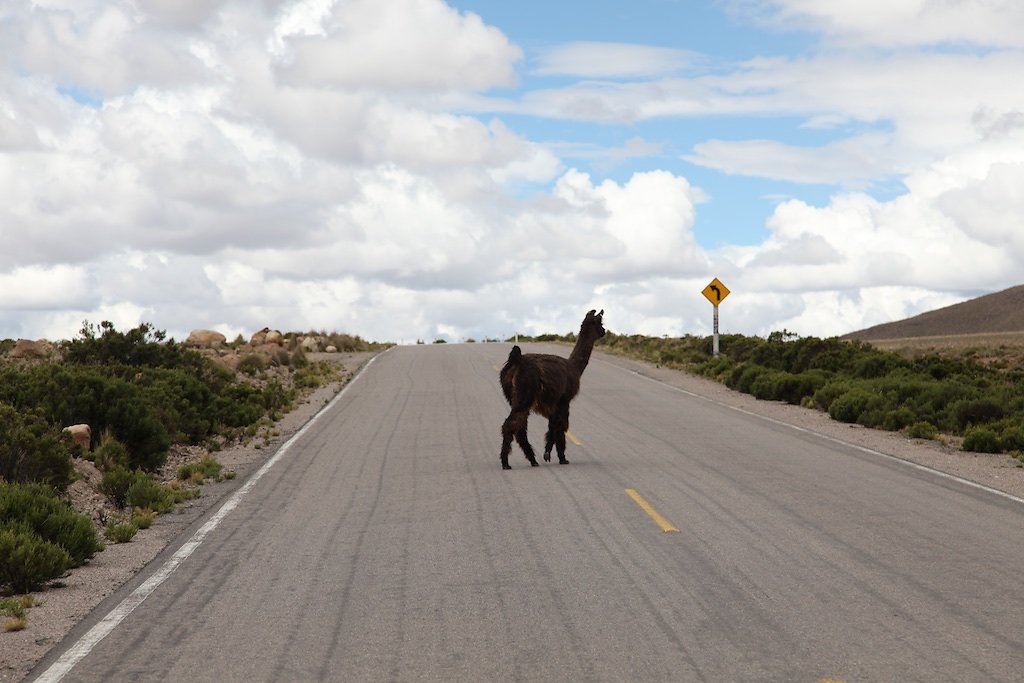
x,y
563,461
547,457
533,463
506,466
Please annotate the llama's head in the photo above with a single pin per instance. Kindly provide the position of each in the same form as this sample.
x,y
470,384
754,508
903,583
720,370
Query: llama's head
x,y
593,322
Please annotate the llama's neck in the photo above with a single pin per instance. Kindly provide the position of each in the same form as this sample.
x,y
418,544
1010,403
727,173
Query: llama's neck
x,y
580,355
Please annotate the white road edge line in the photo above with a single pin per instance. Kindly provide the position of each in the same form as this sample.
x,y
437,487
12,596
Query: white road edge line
x,y
101,630
865,449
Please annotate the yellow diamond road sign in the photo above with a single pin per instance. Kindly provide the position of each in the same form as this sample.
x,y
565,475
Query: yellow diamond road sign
x,y
715,292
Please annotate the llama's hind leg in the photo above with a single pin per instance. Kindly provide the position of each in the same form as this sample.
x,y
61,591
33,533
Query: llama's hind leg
x,y
508,430
524,443
515,427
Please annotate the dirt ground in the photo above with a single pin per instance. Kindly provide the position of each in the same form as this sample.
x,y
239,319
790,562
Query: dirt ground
x,y
61,608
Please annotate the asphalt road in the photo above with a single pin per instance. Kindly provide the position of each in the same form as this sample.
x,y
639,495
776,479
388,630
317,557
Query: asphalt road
x,y
387,544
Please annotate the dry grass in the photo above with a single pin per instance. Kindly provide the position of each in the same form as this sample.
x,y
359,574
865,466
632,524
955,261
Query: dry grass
x,y
1004,350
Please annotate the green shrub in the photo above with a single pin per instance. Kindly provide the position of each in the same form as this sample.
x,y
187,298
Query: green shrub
x,y
851,405
253,364
207,468
922,430
144,492
1012,438
117,481
742,377
110,453
121,532
896,419
53,520
981,440
32,449
829,392
143,518
978,411
28,561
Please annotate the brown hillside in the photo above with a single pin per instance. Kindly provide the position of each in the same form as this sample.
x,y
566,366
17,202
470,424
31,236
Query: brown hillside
x,y
999,312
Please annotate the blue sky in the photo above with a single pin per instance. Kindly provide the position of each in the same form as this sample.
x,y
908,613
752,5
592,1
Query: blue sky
x,y
738,205
422,169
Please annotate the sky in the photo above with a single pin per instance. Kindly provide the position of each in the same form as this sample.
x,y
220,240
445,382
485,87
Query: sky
x,y
411,170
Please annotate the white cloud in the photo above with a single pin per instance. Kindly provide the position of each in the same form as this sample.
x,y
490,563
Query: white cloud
x,y
898,23
612,60
400,45
852,162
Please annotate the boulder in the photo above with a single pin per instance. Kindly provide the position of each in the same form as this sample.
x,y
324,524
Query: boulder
x,y
260,337
26,348
206,339
311,344
81,434
266,336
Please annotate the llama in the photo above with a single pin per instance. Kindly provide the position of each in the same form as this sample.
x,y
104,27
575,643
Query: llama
x,y
545,383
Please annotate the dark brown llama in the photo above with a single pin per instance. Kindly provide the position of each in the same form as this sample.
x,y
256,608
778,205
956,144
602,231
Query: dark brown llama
x,y
545,384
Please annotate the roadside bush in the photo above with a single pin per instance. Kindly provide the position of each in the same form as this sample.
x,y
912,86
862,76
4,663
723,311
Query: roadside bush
x,y
829,392
121,532
876,364
851,405
27,561
981,440
1012,438
975,412
922,430
110,453
53,520
253,364
32,449
786,386
207,468
144,492
117,481
742,377
897,419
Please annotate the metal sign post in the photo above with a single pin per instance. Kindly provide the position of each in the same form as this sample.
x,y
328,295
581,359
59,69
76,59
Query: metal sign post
x,y
715,292
714,344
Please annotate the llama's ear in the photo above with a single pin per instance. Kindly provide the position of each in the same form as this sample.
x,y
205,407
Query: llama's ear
x,y
601,313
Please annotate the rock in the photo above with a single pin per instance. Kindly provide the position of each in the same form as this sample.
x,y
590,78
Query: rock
x,y
266,336
26,348
207,339
311,344
260,337
331,348
81,434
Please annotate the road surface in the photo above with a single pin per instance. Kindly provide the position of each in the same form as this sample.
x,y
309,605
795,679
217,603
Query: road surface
x,y
386,544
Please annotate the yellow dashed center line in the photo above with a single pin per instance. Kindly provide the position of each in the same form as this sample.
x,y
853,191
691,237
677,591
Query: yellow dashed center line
x,y
646,507
572,437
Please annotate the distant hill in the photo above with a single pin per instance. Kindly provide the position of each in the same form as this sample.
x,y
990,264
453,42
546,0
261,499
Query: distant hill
x,y
999,312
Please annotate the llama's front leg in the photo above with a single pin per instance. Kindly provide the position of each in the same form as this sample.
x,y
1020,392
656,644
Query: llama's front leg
x,y
549,439
562,423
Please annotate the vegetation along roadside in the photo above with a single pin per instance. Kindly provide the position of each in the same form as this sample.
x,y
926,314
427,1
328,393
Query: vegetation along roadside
x,y
143,402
